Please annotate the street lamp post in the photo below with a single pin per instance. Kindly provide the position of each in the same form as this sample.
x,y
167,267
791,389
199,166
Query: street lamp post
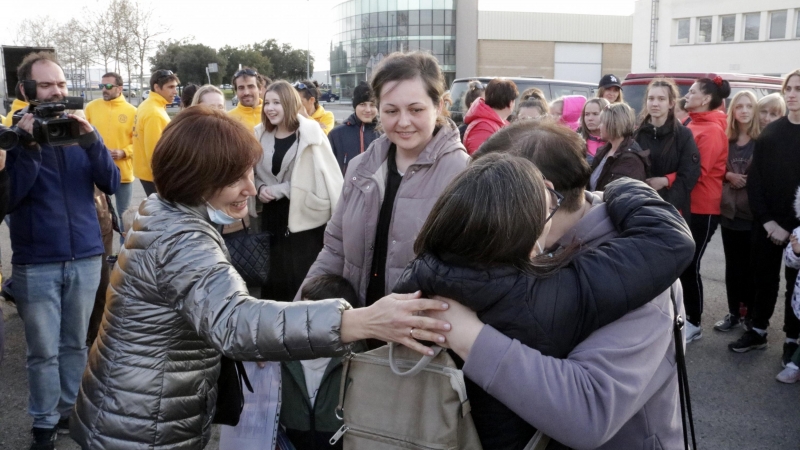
x,y
308,53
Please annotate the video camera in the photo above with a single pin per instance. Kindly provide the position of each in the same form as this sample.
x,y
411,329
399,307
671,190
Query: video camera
x,y
50,125
8,138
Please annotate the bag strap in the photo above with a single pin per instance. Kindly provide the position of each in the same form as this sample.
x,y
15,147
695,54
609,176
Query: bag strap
x,y
421,364
339,411
683,377
243,375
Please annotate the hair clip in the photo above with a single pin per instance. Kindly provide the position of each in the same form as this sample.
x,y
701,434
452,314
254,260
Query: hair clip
x,y
718,80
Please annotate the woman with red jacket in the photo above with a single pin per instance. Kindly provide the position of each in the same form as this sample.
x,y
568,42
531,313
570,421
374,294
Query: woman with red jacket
x,y
489,114
708,127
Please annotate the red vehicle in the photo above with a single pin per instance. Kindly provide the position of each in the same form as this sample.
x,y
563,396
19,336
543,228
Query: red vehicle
x,y
635,84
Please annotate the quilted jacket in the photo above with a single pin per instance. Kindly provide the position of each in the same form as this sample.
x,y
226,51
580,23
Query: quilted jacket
x,y
174,305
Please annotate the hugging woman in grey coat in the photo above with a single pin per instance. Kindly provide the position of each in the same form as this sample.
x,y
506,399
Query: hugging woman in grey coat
x,y
175,304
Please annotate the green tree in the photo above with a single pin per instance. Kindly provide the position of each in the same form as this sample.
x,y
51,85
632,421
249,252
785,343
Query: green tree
x,y
247,57
287,63
189,61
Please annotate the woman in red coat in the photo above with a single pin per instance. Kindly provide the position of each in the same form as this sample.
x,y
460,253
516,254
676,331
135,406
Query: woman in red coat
x,y
488,115
708,125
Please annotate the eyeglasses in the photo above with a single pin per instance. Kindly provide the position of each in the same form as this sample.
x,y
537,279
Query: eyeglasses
x,y
109,86
248,72
558,198
164,73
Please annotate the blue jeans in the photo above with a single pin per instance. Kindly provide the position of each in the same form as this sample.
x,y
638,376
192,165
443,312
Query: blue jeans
x,y
122,201
55,302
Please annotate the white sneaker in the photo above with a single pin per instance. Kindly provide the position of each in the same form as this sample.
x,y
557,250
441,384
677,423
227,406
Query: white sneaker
x,y
789,375
692,332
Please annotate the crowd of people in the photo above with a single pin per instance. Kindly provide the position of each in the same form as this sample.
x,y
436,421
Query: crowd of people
x,y
523,241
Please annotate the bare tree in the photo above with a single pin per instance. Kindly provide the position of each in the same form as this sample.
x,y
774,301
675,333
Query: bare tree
x,y
101,32
37,32
144,30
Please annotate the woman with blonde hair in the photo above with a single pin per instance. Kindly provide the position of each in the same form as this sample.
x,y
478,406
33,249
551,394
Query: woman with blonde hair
x,y
771,108
298,182
210,96
621,156
736,220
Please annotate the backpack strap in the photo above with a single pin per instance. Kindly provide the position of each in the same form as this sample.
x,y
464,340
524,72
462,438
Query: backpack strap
x,y
683,378
422,364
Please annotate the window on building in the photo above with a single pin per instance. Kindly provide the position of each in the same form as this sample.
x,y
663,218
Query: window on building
x,y
727,28
683,31
797,25
777,24
703,29
752,24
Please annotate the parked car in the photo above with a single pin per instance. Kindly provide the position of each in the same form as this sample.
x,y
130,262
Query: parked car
x,y
145,94
552,89
176,101
328,96
130,92
235,101
635,85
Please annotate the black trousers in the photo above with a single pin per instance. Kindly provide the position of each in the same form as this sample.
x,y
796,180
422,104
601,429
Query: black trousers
x,y
149,188
739,279
703,227
767,259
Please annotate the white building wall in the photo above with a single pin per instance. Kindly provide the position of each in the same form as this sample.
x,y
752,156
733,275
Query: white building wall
x,y
533,26
764,56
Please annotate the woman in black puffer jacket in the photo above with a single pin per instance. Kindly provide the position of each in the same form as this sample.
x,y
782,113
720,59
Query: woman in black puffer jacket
x,y
477,247
674,158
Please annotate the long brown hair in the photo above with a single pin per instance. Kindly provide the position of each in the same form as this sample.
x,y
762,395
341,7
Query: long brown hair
x,y
290,101
491,214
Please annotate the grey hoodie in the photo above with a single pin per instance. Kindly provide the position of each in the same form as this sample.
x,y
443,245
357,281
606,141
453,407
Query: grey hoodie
x,y
616,390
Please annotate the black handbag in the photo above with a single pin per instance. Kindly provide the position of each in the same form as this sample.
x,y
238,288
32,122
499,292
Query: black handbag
x,y
230,396
249,255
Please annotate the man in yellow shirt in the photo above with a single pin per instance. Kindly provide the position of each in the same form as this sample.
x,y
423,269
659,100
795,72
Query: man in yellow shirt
x,y
113,117
151,119
248,85
309,96
16,105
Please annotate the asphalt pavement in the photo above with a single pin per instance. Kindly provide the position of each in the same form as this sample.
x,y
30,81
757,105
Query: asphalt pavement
x,y
736,401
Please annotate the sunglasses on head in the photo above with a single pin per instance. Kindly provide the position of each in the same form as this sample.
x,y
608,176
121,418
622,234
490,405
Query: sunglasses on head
x,y
248,72
302,86
164,73
108,86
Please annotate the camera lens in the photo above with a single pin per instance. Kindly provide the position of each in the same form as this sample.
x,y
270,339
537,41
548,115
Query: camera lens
x,y
8,138
57,132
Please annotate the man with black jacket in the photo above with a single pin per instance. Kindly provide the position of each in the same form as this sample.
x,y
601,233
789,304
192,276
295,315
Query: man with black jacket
x,y
771,185
57,249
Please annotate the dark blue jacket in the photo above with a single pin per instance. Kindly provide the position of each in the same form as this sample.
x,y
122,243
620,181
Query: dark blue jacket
x,y
53,215
346,139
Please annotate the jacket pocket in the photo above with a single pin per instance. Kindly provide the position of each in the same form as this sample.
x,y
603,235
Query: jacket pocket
x,y
318,204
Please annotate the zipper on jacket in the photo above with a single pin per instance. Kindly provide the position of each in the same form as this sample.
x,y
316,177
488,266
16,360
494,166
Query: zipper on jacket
x,y
62,167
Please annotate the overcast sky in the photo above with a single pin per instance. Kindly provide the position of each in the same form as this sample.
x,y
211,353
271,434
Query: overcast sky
x,y
236,22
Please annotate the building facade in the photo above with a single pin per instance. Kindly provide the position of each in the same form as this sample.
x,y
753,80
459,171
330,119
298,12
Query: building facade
x,y
712,36
468,42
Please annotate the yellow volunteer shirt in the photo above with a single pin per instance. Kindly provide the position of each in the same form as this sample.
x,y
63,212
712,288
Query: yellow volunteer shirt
x,y
247,115
325,119
151,119
114,121
15,106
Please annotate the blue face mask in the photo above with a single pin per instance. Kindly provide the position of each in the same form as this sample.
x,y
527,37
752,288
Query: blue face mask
x,y
219,217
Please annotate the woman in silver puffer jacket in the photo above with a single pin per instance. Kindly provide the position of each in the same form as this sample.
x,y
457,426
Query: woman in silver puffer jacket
x,y
175,303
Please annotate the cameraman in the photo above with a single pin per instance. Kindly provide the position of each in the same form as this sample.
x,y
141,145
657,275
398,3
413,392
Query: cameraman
x,y
57,249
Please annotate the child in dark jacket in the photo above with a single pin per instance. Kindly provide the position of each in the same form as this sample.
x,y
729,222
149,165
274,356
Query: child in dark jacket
x,y
310,389
478,245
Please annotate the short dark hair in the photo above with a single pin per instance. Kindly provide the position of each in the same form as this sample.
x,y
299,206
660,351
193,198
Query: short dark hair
x,y
323,287
201,151
407,66
500,92
117,77
161,77
247,72
24,68
557,151
188,95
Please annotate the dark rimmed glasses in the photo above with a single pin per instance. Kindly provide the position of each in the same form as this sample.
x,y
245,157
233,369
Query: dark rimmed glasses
x,y
109,86
555,202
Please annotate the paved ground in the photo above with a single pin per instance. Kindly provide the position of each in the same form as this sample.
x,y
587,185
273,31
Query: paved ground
x,y
737,402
